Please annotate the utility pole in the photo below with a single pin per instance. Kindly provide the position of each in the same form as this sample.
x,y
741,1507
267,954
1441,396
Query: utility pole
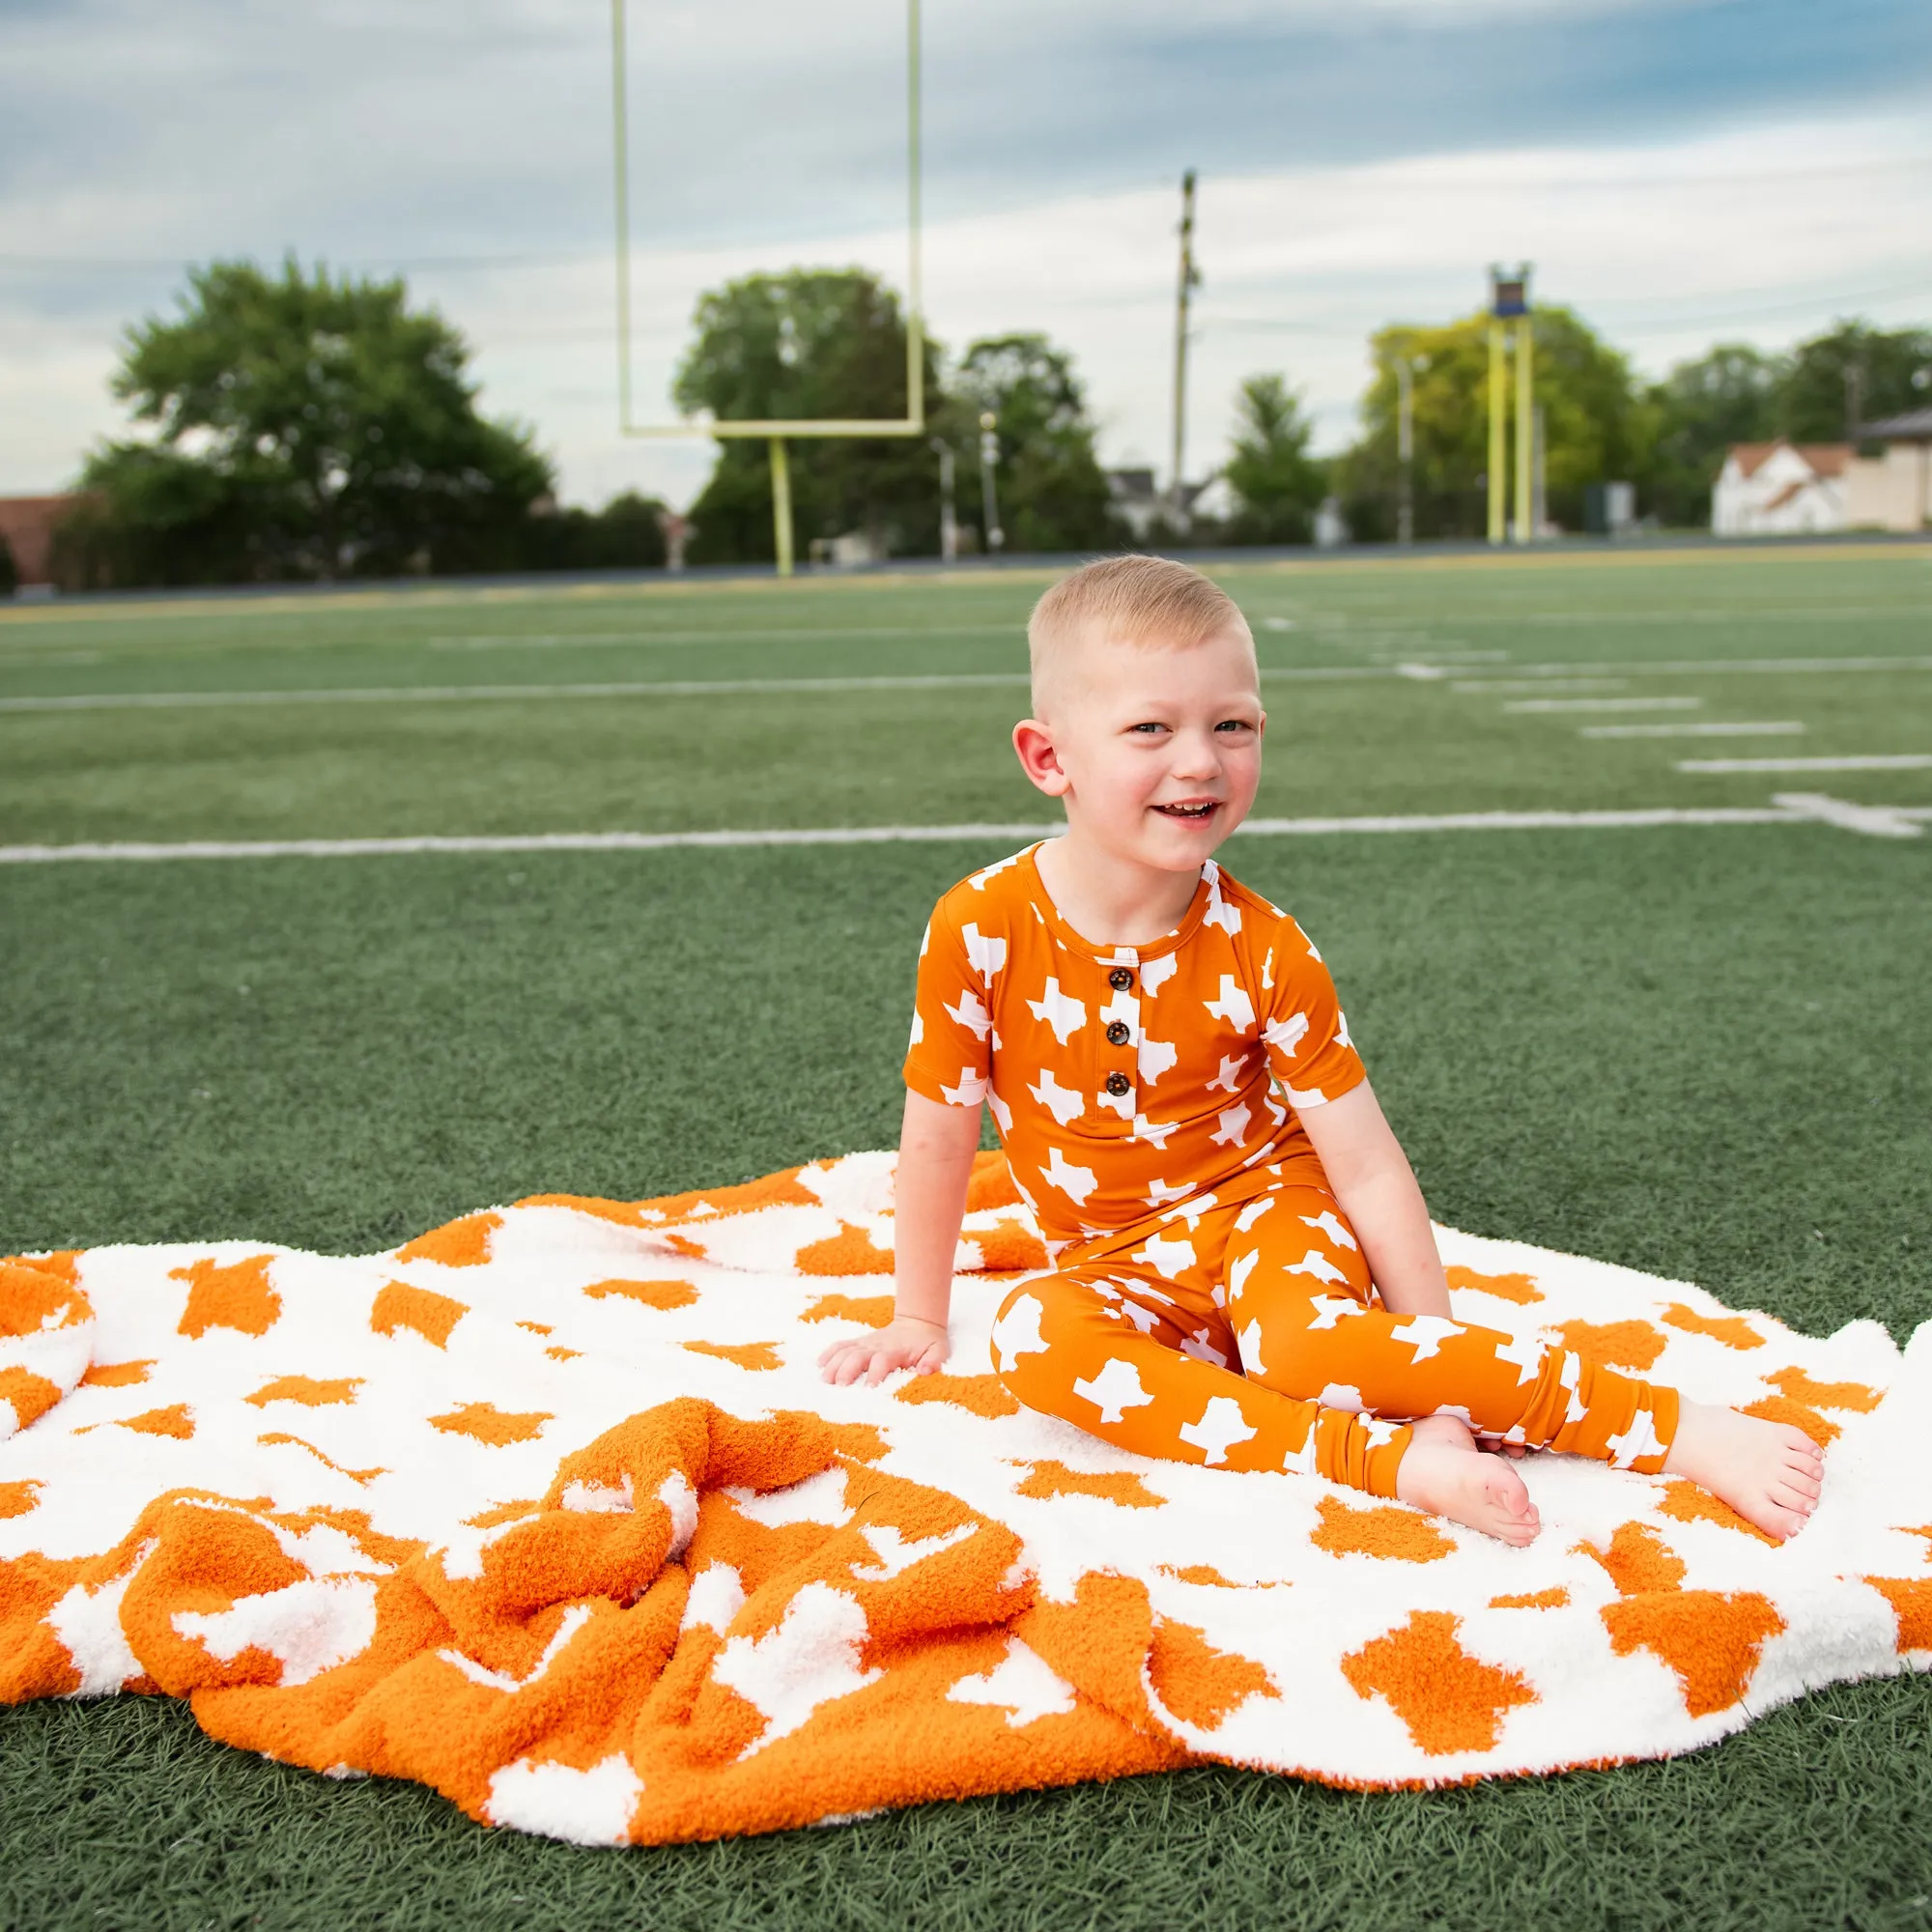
x,y
1855,399
948,521
1405,446
1189,281
989,500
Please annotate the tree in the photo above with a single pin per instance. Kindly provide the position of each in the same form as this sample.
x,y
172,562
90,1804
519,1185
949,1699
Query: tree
x,y
807,343
1852,373
1052,492
1595,427
1277,485
1729,394
303,426
626,535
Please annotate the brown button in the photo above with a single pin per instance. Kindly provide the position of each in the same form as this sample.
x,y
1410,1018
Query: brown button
x,y
1117,1033
1118,1084
1119,978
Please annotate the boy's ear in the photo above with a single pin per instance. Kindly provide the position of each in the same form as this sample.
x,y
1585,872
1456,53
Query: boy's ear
x,y
1033,741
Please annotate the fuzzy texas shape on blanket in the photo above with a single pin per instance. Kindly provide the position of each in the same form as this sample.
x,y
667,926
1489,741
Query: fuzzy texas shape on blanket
x,y
549,1510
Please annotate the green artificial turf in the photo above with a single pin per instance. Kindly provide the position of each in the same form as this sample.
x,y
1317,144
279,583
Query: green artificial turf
x,y
1351,734
1702,1052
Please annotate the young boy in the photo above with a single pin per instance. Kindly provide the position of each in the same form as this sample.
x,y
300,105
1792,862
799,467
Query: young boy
x,y
1244,1272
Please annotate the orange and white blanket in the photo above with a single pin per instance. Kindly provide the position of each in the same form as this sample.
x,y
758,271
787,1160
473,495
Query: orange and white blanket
x,y
550,1510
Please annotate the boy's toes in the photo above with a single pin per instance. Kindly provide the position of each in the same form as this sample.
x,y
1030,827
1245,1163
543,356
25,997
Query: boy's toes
x,y
1512,1516
1795,1497
1806,1481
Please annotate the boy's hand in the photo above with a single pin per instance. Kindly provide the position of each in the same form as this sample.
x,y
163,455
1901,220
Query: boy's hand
x,y
904,1343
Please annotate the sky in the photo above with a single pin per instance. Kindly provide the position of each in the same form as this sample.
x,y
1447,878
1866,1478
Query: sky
x,y
1678,171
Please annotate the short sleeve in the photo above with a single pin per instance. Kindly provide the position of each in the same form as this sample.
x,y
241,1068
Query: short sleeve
x,y
949,1058
1305,1030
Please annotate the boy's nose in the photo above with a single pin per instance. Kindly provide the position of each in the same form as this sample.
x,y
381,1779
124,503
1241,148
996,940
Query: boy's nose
x,y
1196,755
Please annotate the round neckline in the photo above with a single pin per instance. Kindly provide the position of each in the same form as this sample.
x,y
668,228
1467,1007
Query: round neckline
x,y
1155,949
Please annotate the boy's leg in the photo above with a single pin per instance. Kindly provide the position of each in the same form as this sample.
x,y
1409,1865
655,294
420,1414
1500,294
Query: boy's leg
x,y
1095,1347
1304,1314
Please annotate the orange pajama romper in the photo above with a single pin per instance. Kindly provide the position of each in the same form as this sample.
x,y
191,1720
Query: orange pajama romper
x,y
1209,1301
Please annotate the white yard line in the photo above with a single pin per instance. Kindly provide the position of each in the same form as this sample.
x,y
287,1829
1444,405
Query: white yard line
x,y
461,694
1545,705
467,694
495,641
1501,687
1788,809
1719,666
1785,615
1875,821
1787,727
1886,761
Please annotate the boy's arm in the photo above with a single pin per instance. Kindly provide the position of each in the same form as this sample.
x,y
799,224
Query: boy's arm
x,y
1378,1191
937,1144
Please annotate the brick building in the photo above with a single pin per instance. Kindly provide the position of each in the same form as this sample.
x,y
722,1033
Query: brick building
x,y
27,523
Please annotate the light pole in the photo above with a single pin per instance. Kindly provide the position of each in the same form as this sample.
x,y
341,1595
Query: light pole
x,y
989,501
1509,301
1190,280
1406,368
948,522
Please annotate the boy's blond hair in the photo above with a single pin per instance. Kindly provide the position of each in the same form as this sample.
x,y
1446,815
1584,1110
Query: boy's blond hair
x,y
1151,602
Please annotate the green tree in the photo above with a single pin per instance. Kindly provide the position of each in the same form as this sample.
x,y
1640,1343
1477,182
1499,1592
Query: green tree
x,y
807,343
1729,394
303,426
1878,372
1052,492
1595,427
1277,485
626,535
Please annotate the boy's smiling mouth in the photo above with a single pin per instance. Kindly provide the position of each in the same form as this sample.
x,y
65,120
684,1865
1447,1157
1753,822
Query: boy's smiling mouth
x,y
1192,809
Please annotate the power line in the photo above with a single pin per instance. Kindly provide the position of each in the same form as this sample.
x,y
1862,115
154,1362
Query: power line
x,y
1655,320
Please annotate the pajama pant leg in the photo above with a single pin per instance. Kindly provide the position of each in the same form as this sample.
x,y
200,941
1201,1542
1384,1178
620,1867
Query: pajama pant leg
x,y
1085,1346
1307,1323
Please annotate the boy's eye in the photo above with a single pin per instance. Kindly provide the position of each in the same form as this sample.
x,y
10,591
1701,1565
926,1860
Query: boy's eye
x,y
1149,728
1234,724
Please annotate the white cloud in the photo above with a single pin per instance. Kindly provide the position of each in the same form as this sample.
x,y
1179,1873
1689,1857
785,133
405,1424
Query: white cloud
x,y
435,138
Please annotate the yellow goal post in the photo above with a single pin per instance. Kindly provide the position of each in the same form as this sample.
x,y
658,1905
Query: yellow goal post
x,y
777,429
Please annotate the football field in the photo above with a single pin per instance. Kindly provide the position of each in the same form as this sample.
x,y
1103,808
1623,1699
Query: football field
x,y
326,918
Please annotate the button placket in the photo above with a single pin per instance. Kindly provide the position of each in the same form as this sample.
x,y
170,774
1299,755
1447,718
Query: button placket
x,y
1120,1020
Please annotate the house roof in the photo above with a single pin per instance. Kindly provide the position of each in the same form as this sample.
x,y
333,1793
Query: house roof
x,y
1914,426
1822,459
1827,459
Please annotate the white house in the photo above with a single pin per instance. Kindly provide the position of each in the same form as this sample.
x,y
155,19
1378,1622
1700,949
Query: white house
x,y
1780,489
1787,489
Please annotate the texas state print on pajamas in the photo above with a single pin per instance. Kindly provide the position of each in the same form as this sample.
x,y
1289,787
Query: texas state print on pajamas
x,y
1209,1301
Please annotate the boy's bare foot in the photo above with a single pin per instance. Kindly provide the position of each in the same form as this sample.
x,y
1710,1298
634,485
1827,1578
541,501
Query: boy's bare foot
x,y
1768,1471
1444,1472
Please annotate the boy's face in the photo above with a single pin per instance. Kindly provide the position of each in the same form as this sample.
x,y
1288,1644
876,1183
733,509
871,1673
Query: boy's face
x,y
1157,754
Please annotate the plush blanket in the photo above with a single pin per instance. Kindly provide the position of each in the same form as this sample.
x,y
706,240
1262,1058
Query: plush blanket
x,y
549,1510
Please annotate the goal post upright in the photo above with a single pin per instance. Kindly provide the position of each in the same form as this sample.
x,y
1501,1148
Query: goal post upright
x,y
777,430
1509,303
